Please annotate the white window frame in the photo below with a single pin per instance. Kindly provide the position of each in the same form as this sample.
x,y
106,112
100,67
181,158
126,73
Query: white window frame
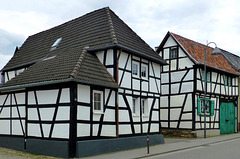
x,y
101,102
144,106
138,69
144,66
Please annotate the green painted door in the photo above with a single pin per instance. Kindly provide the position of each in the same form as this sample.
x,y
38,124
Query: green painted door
x,y
227,118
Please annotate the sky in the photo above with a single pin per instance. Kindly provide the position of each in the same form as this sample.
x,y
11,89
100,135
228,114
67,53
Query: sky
x,y
199,20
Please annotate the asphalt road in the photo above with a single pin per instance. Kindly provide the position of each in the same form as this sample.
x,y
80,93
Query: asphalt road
x,y
221,150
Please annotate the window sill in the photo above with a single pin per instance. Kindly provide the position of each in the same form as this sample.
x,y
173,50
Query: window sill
x,y
98,113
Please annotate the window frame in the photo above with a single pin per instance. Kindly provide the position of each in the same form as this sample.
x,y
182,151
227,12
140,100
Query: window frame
x,y
100,111
138,69
175,53
210,107
146,71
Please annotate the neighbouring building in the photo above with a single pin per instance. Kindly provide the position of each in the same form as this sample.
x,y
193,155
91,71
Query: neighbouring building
x,y
88,86
181,101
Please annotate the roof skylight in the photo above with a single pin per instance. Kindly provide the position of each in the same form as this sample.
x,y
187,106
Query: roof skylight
x,y
56,43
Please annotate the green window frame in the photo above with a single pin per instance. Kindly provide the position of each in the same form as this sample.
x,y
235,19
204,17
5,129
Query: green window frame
x,y
227,80
209,76
209,107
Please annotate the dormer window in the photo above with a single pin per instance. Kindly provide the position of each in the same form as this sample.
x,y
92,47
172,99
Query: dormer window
x,y
56,43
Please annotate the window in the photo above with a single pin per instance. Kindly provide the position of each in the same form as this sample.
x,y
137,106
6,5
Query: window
x,y
209,76
144,107
56,43
98,101
209,107
227,81
144,71
135,68
134,104
173,54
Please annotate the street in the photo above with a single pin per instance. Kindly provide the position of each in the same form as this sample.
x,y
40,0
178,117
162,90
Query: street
x,y
221,150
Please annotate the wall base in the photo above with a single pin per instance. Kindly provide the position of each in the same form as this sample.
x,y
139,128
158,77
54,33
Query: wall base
x,y
101,146
12,142
200,133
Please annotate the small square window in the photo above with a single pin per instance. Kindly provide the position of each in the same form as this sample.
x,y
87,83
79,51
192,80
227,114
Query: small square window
x,y
98,101
209,107
174,53
135,69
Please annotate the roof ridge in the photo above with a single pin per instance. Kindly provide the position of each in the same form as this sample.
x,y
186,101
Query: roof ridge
x,y
76,68
112,30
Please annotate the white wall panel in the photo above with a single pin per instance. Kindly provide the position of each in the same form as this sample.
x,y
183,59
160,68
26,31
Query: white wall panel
x,y
123,116
165,78
145,86
5,127
123,60
47,96
154,127
100,55
136,84
137,128
185,62
32,114
83,113
20,97
187,125
155,116
156,68
108,130
83,93
47,113
95,129
170,42
65,95
177,100
163,114
125,129
126,82
46,129
187,87
109,59
5,112
31,98
63,113
109,115
173,124
16,127
21,111
61,131
174,114
2,99
83,130
34,130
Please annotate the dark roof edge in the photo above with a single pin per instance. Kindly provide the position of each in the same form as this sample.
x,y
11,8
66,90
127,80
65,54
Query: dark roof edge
x,y
217,69
21,65
134,52
23,86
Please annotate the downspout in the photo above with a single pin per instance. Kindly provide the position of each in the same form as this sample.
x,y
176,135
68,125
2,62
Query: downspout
x,y
117,80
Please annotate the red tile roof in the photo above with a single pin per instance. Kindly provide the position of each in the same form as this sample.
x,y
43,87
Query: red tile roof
x,y
196,51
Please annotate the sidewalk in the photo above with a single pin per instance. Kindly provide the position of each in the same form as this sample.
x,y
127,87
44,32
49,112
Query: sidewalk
x,y
171,145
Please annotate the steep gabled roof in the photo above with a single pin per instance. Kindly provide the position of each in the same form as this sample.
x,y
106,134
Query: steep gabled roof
x,y
195,52
71,59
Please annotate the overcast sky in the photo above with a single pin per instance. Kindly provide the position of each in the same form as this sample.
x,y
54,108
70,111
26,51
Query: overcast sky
x,y
198,20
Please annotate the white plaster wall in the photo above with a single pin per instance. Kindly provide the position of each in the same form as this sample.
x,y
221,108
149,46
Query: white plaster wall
x,y
83,93
32,114
20,110
31,98
47,113
20,97
108,130
109,58
154,127
47,96
165,78
61,131
174,114
186,124
100,55
170,42
46,129
187,87
5,127
5,112
109,115
137,128
95,129
16,127
124,116
185,62
83,130
63,113
145,86
126,82
123,60
65,96
83,113
177,100
136,84
125,129
34,130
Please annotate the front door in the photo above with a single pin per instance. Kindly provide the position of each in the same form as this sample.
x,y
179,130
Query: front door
x,y
227,118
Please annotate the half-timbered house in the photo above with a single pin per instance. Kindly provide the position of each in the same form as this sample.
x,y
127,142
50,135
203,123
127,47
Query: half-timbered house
x,y
81,88
181,105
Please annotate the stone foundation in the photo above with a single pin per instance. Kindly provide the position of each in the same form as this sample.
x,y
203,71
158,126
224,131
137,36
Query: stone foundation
x,y
178,133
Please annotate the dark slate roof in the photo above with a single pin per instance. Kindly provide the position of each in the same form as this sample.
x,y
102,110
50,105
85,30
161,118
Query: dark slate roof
x,y
70,60
233,59
195,51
